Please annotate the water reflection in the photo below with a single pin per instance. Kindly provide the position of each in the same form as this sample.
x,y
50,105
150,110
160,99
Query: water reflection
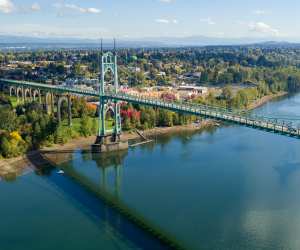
x,y
92,194
226,188
106,163
287,170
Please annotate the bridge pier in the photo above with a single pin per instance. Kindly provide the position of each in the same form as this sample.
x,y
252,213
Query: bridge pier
x,y
20,94
27,95
109,143
59,103
11,90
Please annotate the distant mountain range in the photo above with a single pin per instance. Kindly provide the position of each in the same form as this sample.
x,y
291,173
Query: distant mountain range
x,y
22,42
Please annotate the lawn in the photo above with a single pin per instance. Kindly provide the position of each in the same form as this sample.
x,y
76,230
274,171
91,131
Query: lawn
x,y
76,123
14,101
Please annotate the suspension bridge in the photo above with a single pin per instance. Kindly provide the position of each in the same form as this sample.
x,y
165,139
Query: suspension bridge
x,y
217,113
111,97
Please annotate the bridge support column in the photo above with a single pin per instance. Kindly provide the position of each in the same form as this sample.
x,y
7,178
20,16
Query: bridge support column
x,y
69,102
117,120
109,142
69,111
52,102
36,96
48,100
11,90
20,94
101,132
27,95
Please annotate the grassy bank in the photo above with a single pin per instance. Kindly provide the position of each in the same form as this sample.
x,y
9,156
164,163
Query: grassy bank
x,y
265,99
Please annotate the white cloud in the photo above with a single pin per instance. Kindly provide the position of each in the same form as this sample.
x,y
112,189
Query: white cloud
x,y
166,21
35,7
6,6
263,28
207,20
260,12
162,21
93,10
77,8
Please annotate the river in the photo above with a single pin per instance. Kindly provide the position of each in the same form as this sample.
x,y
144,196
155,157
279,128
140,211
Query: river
x,y
228,188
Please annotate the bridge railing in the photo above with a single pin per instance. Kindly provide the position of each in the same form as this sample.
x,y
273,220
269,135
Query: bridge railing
x,y
213,112
237,116
48,87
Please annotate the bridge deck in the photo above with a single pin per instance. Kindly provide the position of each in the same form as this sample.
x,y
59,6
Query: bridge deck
x,y
186,108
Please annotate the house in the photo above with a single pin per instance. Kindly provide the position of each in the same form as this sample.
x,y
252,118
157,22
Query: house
x,y
187,91
161,73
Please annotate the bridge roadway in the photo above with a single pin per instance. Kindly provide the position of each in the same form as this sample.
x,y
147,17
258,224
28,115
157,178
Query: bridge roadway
x,y
262,123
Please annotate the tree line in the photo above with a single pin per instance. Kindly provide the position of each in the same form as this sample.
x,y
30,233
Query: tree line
x,y
28,127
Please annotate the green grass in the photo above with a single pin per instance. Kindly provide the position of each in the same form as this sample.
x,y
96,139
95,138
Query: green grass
x,y
14,101
76,123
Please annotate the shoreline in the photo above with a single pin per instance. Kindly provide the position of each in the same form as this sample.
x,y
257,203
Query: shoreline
x,y
262,101
18,164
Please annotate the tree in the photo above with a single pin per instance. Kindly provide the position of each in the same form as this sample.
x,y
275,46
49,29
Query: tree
x,y
227,93
5,100
8,119
293,83
12,145
94,126
165,118
5,147
126,123
85,126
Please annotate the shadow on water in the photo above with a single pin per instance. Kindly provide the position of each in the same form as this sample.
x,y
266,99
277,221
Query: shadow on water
x,y
285,171
184,136
98,204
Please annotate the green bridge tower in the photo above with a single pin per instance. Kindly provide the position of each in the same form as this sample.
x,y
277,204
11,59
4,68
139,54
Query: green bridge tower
x,y
108,63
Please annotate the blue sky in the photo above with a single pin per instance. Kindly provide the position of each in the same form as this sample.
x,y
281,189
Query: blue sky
x,y
151,18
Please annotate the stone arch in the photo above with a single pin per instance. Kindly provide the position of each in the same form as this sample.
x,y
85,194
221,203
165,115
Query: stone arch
x,y
12,91
27,94
36,94
62,99
20,93
49,102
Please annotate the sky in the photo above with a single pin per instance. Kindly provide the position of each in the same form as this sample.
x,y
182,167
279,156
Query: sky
x,y
151,18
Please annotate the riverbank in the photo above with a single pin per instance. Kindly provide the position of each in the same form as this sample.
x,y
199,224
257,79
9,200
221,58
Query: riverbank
x,y
16,166
13,167
62,153
260,102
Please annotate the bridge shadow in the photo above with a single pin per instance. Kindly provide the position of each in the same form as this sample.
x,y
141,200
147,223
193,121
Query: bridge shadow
x,y
286,171
99,205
